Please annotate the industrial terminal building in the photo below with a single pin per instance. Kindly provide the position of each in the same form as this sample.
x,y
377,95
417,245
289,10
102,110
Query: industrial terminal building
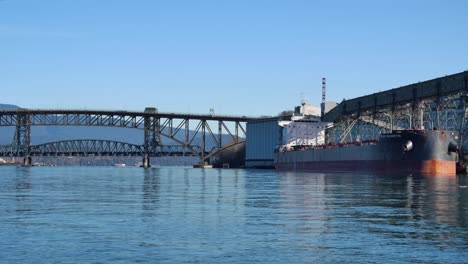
x,y
263,136
266,134
440,103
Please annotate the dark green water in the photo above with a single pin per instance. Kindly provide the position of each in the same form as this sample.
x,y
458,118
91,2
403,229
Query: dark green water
x,y
185,215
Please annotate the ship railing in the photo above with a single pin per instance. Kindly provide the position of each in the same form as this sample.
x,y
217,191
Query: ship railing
x,y
286,148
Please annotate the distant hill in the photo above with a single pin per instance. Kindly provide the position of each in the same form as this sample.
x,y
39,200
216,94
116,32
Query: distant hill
x,y
8,106
6,133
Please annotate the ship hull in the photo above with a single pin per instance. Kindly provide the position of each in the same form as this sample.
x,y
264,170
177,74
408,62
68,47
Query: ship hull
x,y
431,152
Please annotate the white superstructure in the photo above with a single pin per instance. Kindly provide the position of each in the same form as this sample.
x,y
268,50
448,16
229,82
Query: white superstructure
x,y
305,127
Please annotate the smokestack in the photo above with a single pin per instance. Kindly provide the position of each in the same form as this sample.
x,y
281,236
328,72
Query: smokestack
x,y
322,106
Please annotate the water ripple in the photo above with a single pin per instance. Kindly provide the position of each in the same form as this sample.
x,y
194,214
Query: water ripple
x,y
185,215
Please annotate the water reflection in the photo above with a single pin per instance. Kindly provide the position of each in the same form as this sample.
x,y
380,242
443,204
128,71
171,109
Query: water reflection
x,y
463,201
433,198
235,196
151,186
203,188
23,188
398,206
304,197
262,189
186,189
186,215
219,196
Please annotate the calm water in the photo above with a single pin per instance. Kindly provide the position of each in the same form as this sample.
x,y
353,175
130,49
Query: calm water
x,y
185,215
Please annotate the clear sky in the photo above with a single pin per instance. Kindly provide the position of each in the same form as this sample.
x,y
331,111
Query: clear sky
x,y
252,57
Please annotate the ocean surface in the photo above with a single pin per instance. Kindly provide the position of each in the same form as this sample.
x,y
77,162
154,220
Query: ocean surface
x,y
186,215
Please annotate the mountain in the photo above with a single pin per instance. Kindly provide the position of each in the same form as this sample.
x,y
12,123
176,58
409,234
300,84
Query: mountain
x,y
6,133
8,106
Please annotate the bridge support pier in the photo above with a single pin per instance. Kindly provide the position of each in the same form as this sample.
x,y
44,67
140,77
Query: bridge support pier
x,y
152,138
27,161
146,162
203,165
22,139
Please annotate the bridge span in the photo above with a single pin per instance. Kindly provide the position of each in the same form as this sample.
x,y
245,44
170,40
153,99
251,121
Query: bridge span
x,y
96,147
192,133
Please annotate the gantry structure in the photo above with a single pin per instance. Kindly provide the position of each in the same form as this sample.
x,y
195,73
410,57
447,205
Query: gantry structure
x,y
440,103
191,133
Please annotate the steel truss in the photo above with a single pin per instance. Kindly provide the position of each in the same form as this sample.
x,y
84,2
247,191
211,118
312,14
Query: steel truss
x,y
177,127
444,112
93,147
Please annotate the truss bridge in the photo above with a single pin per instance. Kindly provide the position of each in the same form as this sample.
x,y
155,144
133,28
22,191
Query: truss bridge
x,y
192,135
94,147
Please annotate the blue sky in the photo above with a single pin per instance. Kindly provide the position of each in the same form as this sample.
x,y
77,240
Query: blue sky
x,y
239,57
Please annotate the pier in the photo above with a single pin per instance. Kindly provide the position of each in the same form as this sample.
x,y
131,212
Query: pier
x,y
440,103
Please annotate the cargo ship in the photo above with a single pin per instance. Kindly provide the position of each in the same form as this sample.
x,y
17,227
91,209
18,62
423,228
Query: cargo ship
x,y
430,152
304,148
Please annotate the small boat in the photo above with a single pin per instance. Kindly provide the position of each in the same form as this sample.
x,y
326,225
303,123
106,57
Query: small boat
x,y
120,165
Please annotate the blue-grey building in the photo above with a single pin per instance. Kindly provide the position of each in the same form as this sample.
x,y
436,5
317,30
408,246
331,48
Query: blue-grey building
x,y
263,136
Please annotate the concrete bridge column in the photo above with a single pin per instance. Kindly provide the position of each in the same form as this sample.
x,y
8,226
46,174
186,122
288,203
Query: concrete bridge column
x,y
27,161
146,161
203,165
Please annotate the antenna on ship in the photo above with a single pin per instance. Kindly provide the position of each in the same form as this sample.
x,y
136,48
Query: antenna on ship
x,y
322,106
303,101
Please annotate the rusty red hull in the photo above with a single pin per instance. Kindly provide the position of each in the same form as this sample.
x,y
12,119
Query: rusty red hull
x,y
410,151
435,167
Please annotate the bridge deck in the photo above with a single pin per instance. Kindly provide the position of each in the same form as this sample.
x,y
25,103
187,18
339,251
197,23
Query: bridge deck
x,y
122,113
